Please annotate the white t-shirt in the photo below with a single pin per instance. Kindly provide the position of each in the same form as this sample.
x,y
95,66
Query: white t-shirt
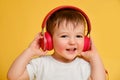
x,y
47,68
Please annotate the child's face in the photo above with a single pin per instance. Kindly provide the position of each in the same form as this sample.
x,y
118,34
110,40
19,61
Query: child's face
x,y
68,41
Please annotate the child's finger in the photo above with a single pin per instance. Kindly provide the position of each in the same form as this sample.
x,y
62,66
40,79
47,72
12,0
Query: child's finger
x,y
35,41
38,36
92,45
42,53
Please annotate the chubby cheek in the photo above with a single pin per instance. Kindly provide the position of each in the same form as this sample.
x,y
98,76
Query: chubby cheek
x,y
59,46
80,45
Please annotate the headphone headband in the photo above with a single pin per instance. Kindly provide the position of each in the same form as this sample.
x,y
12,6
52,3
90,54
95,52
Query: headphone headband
x,y
68,7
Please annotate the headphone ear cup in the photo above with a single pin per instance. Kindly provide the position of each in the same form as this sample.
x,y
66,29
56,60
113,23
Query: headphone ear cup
x,y
48,44
87,43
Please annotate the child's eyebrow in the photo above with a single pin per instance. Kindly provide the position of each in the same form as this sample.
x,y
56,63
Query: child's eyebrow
x,y
80,32
62,33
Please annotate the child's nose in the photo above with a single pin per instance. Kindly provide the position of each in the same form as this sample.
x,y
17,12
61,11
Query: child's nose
x,y
72,41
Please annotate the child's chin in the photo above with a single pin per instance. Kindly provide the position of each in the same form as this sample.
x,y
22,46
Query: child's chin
x,y
70,59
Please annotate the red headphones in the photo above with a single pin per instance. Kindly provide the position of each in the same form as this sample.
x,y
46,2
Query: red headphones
x,y
46,41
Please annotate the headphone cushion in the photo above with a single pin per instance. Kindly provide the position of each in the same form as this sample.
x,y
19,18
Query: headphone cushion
x,y
87,43
48,41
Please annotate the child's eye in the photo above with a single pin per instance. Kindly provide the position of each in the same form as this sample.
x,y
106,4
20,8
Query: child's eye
x,y
64,36
79,36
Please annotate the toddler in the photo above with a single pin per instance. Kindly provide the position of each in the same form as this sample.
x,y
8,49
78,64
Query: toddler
x,y
66,31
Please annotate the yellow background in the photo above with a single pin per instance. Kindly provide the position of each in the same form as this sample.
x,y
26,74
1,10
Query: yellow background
x,y
20,21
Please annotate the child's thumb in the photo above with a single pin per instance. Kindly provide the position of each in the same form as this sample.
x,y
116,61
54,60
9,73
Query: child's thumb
x,y
83,54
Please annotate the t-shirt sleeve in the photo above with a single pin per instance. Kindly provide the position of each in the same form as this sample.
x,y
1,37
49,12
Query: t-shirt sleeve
x,y
86,70
32,68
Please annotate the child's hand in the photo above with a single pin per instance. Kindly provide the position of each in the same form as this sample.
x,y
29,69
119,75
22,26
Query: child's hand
x,y
91,54
97,67
35,46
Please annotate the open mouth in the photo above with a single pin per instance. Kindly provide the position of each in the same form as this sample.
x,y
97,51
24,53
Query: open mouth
x,y
72,49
